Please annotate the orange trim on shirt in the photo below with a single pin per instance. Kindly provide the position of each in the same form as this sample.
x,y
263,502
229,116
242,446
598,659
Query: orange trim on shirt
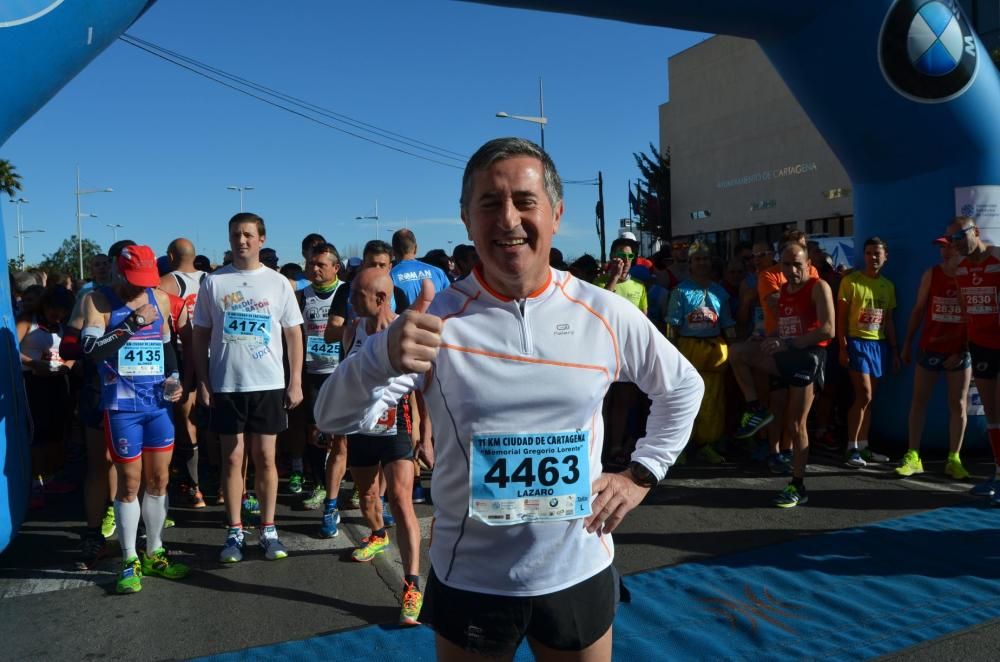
x,y
525,359
614,339
468,299
481,279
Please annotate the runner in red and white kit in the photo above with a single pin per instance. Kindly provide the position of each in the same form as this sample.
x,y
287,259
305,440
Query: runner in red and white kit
x,y
978,278
514,363
943,350
183,283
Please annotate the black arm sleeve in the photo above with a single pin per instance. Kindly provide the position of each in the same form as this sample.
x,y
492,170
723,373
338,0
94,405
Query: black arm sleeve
x,y
113,340
338,306
169,359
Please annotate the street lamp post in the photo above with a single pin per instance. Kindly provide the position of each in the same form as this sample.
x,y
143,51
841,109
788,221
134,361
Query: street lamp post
x,y
371,218
80,215
114,228
540,120
240,189
20,232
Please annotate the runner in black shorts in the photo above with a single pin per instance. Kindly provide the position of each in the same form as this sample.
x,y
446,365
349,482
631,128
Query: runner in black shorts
x,y
796,357
387,445
246,314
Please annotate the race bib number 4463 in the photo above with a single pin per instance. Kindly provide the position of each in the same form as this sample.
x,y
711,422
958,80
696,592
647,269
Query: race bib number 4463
x,y
529,477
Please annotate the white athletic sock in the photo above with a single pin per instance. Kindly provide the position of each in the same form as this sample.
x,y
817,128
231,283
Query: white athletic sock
x,y
154,514
127,514
297,464
852,445
862,444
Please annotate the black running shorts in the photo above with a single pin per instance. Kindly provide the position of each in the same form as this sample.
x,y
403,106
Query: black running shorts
x,y
370,451
801,367
985,361
494,625
258,412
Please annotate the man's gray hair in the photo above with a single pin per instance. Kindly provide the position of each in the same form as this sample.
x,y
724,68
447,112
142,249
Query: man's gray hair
x,y
23,280
499,149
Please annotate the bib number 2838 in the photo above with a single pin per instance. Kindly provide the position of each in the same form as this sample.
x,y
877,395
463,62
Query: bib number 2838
x,y
529,477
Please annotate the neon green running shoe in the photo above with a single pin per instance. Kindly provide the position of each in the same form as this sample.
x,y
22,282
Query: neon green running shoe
x,y
315,500
159,564
790,497
708,454
413,602
953,467
130,581
370,547
169,523
910,465
108,525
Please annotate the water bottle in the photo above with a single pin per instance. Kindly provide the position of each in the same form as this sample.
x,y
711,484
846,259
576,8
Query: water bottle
x,y
171,386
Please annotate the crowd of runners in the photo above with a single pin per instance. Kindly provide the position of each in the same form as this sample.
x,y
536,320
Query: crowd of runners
x,y
546,399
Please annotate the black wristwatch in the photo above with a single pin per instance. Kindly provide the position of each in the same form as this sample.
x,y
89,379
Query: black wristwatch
x,y
642,476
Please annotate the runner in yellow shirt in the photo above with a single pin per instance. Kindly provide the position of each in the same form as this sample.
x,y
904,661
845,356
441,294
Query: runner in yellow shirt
x,y
867,335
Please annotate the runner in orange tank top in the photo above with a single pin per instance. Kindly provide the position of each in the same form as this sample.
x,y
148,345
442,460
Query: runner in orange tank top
x,y
796,355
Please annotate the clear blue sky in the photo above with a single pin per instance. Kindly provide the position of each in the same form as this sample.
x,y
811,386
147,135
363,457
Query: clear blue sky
x,y
169,142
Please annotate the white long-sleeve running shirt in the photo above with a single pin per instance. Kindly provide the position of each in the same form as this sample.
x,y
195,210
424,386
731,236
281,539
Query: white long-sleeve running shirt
x,y
515,395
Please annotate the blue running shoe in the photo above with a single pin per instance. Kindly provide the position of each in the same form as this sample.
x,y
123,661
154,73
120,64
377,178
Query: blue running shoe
x,y
419,494
271,545
232,552
328,529
778,464
387,519
753,422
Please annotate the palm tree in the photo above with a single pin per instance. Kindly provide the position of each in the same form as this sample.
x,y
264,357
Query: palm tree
x,y
10,181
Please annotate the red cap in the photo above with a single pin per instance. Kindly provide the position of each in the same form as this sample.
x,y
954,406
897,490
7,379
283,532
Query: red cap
x,y
138,265
941,241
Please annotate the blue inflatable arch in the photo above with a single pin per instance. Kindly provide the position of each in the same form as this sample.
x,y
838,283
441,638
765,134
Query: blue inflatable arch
x,y
914,117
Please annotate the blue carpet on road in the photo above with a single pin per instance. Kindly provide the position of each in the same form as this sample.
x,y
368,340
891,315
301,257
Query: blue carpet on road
x,y
853,594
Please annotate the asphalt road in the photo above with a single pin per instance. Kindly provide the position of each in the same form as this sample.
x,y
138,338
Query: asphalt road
x,y
50,611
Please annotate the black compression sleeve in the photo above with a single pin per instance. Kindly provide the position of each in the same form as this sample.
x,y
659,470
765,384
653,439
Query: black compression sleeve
x,y
108,344
169,359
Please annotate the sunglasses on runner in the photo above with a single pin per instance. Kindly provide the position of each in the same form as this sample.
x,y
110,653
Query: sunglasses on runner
x,y
960,235
623,256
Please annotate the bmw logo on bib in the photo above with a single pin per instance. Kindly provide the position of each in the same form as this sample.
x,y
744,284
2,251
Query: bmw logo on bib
x,y
927,51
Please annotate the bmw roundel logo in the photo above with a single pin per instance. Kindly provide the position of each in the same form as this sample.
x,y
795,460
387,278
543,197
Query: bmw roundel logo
x,y
968,210
17,12
927,50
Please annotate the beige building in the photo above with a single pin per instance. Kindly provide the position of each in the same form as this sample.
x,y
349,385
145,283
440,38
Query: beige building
x,y
746,162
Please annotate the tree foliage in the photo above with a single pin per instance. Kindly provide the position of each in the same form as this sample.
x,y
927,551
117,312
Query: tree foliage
x,y
653,202
10,181
66,258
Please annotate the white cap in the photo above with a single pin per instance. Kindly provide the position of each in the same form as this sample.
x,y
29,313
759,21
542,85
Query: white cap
x,y
627,235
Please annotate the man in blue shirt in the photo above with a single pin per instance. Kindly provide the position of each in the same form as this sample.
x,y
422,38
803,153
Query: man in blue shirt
x,y
409,272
